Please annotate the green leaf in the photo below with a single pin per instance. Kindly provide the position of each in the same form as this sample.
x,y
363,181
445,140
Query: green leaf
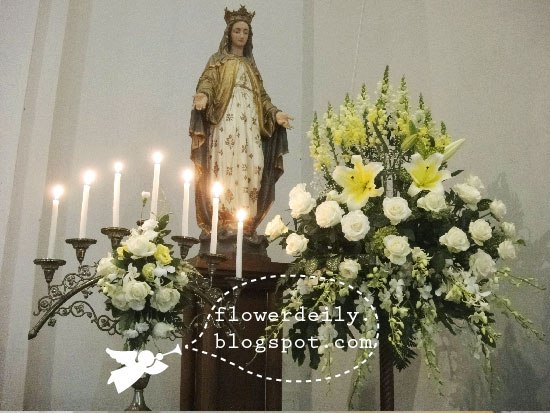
x,y
455,173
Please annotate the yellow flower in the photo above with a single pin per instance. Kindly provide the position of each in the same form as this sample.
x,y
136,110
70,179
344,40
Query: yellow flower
x,y
358,183
426,174
147,271
120,252
162,254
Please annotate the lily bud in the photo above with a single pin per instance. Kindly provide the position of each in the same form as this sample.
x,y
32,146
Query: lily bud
x,y
451,149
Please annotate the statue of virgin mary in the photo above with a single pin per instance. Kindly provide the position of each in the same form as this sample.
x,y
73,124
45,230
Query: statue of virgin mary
x,y
238,135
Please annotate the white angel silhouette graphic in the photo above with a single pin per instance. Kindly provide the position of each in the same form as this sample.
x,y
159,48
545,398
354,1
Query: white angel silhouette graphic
x,y
136,363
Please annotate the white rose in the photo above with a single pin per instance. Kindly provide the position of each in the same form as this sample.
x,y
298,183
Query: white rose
x,y
140,246
349,269
355,225
396,209
498,209
474,181
165,299
507,250
145,195
149,225
509,229
432,201
296,244
397,249
455,240
335,196
181,279
300,201
480,231
469,194
106,267
482,265
275,228
118,299
136,293
328,214
161,330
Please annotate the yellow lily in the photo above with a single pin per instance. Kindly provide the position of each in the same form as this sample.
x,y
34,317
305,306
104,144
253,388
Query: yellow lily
x,y
426,174
358,182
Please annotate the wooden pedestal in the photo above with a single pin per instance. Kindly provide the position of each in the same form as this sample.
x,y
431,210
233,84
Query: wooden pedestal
x,y
208,382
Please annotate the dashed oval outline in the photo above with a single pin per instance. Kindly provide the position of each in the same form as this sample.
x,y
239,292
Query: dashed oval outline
x,y
246,282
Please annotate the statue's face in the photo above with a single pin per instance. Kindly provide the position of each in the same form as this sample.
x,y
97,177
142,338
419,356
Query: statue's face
x,y
239,34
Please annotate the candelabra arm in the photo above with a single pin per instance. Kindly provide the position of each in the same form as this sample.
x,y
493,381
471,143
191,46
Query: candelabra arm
x,y
33,332
198,292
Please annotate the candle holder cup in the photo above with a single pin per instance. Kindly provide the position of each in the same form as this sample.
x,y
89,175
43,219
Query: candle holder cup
x,y
115,234
49,266
185,244
213,260
81,245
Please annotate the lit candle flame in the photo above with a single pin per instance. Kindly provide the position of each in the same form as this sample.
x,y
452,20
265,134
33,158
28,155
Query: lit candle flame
x,y
157,157
118,167
217,189
241,215
187,175
57,192
89,177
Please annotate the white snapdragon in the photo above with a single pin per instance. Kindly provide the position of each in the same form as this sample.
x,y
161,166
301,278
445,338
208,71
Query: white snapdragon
x,y
469,194
163,270
396,248
482,265
296,244
396,209
355,225
349,268
306,285
455,240
498,209
275,228
507,250
142,327
480,230
300,201
328,214
432,202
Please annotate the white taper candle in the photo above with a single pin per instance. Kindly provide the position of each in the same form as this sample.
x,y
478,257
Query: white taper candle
x,y
157,157
88,179
57,192
241,215
116,195
187,176
217,190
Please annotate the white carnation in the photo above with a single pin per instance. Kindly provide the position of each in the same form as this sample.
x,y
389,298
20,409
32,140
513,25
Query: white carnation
x,y
142,327
474,181
162,330
300,201
507,250
482,265
455,240
396,249
130,333
469,194
480,230
275,228
328,214
432,201
498,209
106,267
296,244
355,225
118,299
349,269
396,209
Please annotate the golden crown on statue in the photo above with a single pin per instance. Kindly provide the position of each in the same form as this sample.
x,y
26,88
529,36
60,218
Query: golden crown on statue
x,y
238,15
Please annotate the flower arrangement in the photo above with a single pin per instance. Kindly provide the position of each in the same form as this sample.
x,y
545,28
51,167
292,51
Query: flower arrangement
x,y
146,286
389,223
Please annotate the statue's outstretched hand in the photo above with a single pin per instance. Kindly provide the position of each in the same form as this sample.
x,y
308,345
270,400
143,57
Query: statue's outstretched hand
x,y
200,100
284,119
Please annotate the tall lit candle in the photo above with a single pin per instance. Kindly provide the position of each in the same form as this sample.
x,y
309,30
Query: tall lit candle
x,y
57,192
216,191
241,215
89,177
187,176
157,158
116,194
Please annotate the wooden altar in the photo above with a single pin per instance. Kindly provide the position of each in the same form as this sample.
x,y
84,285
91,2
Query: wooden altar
x,y
210,383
